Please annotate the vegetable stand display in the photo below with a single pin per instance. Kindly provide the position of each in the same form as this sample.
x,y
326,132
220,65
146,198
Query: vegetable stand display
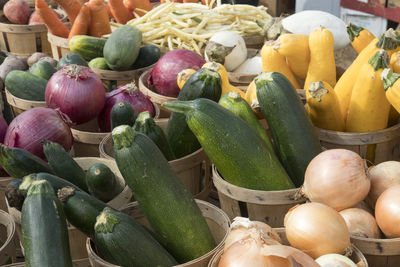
x,y
59,46
20,105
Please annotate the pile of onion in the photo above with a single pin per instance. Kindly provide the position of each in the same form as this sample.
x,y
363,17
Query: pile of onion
x,y
360,223
387,212
77,91
337,178
163,76
129,93
28,129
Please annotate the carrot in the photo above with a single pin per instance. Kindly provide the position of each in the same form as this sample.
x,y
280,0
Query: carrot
x,y
71,7
100,22
176,1
141,4
82,22
108,8
190,1
120,12
83,1
127,4
53,23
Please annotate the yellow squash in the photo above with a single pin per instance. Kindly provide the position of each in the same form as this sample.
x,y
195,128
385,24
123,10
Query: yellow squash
x,y
323,107
395,62
389,41
295,48
183,76
273,61
322,65
391,82
226,86
359,37
369,109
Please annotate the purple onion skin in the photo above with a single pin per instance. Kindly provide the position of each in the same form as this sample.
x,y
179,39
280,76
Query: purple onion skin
x,y
137,99
164,74
27,130
3,128
81,98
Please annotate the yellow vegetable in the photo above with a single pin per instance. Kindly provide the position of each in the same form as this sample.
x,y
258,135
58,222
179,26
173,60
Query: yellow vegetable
x,y
389,41
323,107
183,76
322,60
391,84
295,48
369,108
359,37
273,61
395,62
226,86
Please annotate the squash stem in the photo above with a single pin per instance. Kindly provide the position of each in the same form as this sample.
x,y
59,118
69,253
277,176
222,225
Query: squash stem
x,y
106,221
317,90
65,193
40,187
123,136
353,31
389,78
380,60
389,40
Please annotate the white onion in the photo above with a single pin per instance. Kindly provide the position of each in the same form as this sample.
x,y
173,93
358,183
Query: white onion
x,y
316,229
387,212
360,223
335,260
250,66
337,178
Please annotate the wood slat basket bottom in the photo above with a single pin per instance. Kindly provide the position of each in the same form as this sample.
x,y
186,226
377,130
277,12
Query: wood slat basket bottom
x,y
20,105
266,206
59,46
77,240
216,219
357,256
8,237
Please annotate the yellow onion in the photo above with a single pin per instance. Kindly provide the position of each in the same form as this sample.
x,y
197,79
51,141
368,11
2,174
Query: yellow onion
x,y
360,223
387,212
317,229
335,260
336,178
253,252
242,228
364,206
382,176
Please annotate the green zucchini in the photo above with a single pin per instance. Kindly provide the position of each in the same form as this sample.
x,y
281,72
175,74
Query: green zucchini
x,y
294,136
19,163
102,183
204,83
238,152
122,47
14,198
233,102
42,69
81,209
88,47
64,165
44,228
122,113
98,63
116,232
148,55
163,198
146,125
71,58
25,85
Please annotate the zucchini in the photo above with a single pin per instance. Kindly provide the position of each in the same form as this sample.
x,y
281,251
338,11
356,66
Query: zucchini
x,y
25,85
88,47
238,152
122,47
204,83
123,113
98,63
71,58
64,165
14,198
148,55
81,209
102,183
42,69
146,125
116,232
294,136
19,163
233,102
166,202
44,228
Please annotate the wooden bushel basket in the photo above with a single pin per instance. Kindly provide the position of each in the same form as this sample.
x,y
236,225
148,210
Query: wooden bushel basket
x,y
7,233
254,41
20,105
266,206
59,46
75,263
216,219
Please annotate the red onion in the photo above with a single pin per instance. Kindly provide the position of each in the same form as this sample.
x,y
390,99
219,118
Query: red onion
x,y
3,128
28,129
164,74
129,93
77,91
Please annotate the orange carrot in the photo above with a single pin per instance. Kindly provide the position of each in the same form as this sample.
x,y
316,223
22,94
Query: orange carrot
x,y
71,7
82,22
120,12
100,22
83,1
141,4
127,4
53,23
190,1
108,8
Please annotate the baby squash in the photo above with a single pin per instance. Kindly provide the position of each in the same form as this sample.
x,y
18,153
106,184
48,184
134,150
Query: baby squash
x,y
359,37
391,84
183,76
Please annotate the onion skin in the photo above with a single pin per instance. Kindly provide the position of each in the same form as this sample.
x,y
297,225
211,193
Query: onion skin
x,y
163,76
360,223
387,212
3,128
335,260
316,229
382,176
336,178
28,129
77,91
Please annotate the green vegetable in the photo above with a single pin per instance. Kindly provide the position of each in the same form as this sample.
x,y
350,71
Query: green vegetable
x,y
98,63
25,85
42,69
148,55
88,47
122,113
71,58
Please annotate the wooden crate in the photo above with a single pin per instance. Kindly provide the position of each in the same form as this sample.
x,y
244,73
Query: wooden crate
x,y
20,105
216,219
59,46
